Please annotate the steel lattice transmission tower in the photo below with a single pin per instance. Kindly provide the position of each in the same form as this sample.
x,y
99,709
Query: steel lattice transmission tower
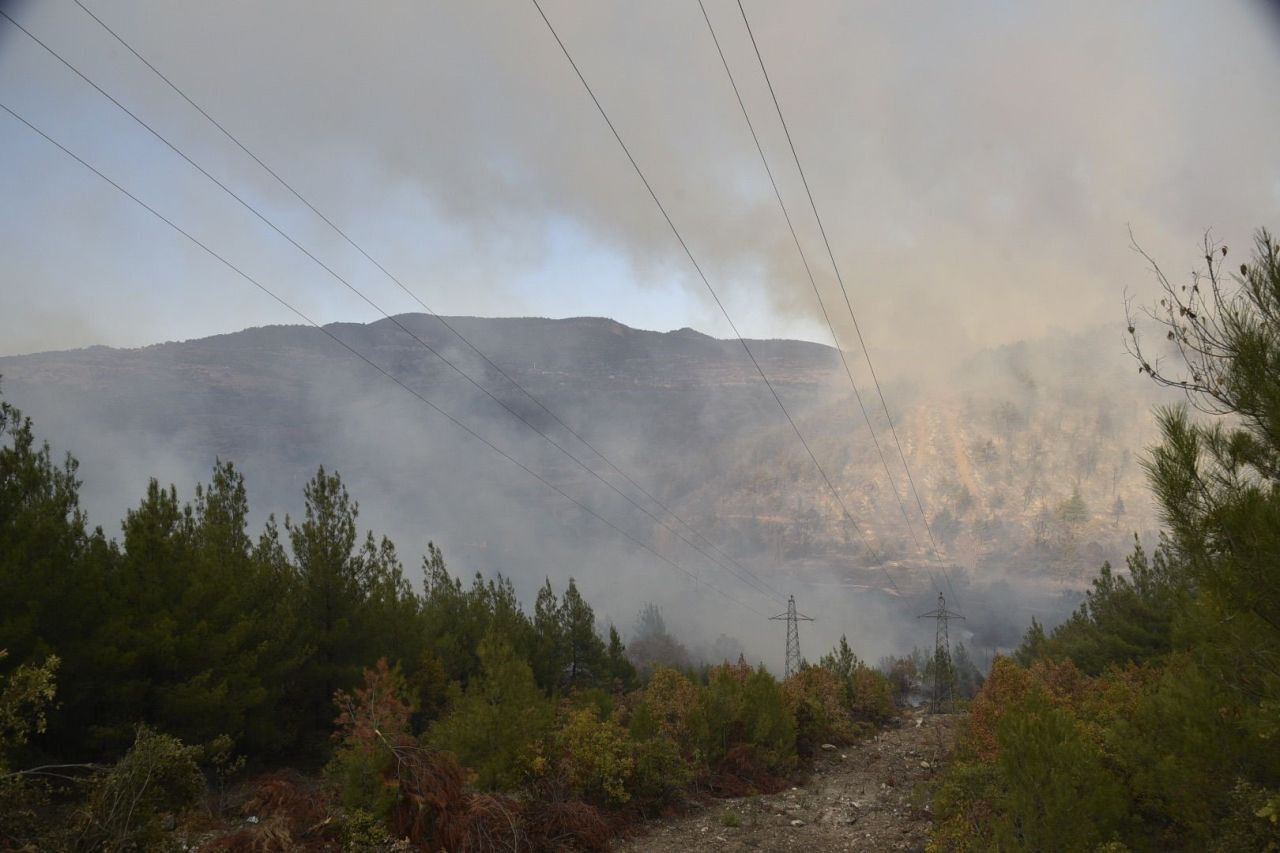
x,y
943,674
793,620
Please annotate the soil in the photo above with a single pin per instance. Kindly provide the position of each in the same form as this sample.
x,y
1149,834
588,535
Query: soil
x,y
872,795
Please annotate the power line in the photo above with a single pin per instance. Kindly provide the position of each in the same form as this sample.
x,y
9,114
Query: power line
x,y
759,587
452,419
840,278
692,260
350,241
804,259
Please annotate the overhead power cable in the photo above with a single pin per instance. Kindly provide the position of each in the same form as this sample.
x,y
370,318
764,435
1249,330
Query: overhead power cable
x,y
370,362
840,278
701,275
804,259
759,586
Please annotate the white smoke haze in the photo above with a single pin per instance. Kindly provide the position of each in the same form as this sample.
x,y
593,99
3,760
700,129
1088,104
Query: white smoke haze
x,y
280,401
977,169
976,166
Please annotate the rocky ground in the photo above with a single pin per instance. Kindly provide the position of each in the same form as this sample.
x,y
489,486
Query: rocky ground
x,y
869,796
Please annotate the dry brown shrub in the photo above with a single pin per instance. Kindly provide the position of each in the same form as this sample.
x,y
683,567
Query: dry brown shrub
x,y
491,824
431,810
566,825
435,811
292,813
301,802
740,774
1064,681
1007,683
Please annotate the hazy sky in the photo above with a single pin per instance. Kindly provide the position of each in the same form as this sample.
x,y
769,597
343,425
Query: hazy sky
x,y
977,165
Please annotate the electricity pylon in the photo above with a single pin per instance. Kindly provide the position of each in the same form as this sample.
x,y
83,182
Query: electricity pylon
x,y
943,675
793,636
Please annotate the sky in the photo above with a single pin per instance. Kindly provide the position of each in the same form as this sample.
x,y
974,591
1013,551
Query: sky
x,y
977,166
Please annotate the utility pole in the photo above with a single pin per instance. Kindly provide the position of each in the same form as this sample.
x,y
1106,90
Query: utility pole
x,y
943,677
793,620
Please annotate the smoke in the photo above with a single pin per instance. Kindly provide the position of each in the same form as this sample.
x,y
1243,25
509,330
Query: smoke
x,y
679,412
976,168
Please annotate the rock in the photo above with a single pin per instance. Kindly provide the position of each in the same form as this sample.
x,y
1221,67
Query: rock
x,y
924,764
797,822
829,747
251,819
168,823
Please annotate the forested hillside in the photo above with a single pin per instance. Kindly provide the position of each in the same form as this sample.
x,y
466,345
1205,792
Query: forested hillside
x,y
196,683
1025,456
1150,720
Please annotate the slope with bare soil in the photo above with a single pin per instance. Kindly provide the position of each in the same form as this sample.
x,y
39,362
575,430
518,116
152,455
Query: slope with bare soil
x,y
869,796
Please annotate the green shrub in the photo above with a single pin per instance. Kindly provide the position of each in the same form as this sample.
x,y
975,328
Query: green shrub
x,y
770,728
25,695
361,831
158,775
871,696
965,807
659,773
494,725
816,698
594,758
866,694
742,714
1184,751
668,702
597,699
1252,821
1059,794
1031,768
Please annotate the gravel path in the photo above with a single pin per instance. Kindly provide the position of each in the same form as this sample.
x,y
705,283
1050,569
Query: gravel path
x,y
868,796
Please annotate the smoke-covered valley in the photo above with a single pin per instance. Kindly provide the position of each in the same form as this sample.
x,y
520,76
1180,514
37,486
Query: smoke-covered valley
x,y
1026,459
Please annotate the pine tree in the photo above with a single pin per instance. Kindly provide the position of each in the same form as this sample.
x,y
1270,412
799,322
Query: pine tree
x,y
584,650
549,642
457,619
652,644
391,612
331,589
621,672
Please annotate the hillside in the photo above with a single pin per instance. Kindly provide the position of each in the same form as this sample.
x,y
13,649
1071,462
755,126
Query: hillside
x,y
1025,457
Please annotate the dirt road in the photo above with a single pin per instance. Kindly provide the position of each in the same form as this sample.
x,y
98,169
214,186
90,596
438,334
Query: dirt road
x,y
869,796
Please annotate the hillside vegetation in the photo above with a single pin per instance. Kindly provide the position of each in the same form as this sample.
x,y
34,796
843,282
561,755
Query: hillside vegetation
x,y
162,690
1150,721
1025,457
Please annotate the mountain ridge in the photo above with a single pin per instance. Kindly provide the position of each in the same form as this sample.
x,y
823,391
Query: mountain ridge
x,y
682,411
